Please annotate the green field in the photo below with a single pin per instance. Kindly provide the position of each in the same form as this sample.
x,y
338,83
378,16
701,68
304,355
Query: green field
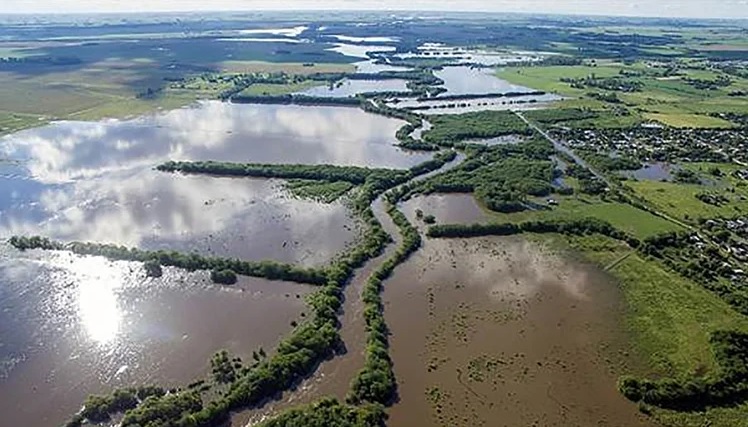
x,y
668,100
547,78
679,200
671,335
688,120
626,217
109,89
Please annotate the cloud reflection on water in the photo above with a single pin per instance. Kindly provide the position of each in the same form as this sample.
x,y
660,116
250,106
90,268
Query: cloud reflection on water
x,y
94,181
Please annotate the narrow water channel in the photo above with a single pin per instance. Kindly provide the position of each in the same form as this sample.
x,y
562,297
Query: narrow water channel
x,y
333,377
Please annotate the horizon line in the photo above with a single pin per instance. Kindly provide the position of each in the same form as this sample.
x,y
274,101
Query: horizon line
x,y
381,11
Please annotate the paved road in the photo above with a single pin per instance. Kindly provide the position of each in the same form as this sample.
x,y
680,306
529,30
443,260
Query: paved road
x,y
561,147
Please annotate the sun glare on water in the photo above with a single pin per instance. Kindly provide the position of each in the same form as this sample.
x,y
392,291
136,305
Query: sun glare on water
x,y
98,307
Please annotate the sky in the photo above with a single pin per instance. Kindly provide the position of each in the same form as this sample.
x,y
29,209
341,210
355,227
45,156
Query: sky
x,y
660,8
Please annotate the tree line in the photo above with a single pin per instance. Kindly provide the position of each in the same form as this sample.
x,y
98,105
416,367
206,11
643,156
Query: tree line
x,y
297,355
728,387
448,129
376,382
582,227
270,270
296,99
330,413
501,176
354,174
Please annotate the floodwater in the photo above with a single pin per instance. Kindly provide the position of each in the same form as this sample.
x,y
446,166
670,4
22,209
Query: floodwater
x,y
286,32
658,171
348,88
417,134
229,217
379,39
499,140
371,66
333,377
457,208
469,80
94,181
437,106
359,51
213,131
73,326
501,332
461,55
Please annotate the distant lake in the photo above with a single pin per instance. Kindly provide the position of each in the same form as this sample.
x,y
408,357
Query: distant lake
x,y
467,80
354,87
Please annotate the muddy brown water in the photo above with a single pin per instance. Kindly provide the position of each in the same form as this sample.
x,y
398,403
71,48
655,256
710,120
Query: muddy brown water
x,y
79,325
73,326
502,332
334,376
456,208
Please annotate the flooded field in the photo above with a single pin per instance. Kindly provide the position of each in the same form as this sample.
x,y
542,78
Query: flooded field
x,y
231,217
355,87
372,67
657,171
80,325
437,106
469,80
359,51
95,182
213,131
461,55
454,208
333,377
499,140
501,332
74,325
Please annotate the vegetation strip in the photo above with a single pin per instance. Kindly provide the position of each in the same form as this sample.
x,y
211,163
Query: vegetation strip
x,y
330,412
296,356
729,387
574,227
376,383
224,267
352,174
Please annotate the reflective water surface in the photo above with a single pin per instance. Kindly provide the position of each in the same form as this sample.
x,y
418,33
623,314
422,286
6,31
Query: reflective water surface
x,y
500,331
215,131
468,80
372,67
74,325
657,171
437,106
355,87
94,181
359,51
454,208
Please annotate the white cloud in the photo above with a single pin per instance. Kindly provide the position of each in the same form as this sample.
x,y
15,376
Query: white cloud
x,y
671,8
